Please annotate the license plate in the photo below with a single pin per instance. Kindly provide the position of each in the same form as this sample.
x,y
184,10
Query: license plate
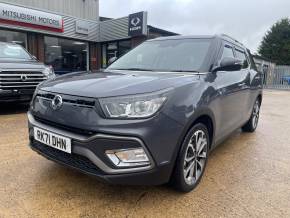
x,y
53,140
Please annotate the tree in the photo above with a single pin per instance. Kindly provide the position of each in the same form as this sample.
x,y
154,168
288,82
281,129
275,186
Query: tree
x,y
276,43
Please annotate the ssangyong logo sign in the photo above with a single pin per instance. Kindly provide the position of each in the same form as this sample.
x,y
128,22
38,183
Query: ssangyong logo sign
x,y
15,15
135,21
137,25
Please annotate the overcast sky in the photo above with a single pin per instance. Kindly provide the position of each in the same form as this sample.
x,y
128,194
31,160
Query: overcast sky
x,y
245,20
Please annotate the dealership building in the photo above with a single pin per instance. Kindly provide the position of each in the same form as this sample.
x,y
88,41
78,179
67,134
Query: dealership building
x,y
69,34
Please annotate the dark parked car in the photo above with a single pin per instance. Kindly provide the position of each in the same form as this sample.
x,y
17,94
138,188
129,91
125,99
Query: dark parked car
x,y
20,73
153,116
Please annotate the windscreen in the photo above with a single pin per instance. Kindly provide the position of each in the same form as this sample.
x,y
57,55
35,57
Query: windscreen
x,y
165,55
13,52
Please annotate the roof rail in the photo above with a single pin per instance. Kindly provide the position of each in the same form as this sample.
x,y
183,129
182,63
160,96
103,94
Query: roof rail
x,y
227,36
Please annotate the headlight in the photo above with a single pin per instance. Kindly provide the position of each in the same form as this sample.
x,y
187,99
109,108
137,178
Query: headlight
x,y
136,106
48,72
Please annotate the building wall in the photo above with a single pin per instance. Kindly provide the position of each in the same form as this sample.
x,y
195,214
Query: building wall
x,y
76,14
69,24
85,9
114,29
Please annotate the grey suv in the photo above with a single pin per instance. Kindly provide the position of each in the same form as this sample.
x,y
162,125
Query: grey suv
x,y
152,116
20,73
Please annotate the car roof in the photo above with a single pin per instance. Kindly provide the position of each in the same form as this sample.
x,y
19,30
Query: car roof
x,y
217,36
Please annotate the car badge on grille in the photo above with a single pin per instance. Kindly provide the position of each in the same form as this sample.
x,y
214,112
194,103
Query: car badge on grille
x,y
23,78
56,102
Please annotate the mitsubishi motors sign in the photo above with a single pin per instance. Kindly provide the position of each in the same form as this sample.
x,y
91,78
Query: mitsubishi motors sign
x,y
19,16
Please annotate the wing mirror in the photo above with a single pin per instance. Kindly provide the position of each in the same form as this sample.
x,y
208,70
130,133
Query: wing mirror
x,y
112,60
229,64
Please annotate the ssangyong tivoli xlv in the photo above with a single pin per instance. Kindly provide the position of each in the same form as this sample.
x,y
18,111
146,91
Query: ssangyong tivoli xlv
x,y
153,115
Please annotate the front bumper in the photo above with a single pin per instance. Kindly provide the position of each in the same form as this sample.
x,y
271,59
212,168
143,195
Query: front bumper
x,y
23,95
88,156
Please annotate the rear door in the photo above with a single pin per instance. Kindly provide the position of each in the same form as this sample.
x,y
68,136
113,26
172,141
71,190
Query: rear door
x,y
229,86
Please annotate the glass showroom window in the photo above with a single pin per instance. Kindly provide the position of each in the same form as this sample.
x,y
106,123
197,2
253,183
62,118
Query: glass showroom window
x,y
14,37
66,55
108,51
124,47
114,49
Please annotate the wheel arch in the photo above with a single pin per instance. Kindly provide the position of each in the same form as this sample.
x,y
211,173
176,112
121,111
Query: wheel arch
x,y
207,121
204,116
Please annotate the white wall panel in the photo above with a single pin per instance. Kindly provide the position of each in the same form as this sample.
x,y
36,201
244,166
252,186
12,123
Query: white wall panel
x,y
114,29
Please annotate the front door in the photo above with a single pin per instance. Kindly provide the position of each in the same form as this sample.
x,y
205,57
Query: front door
x,y
231,100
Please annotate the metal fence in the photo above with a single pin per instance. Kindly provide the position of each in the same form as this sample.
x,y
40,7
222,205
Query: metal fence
x,y
277,78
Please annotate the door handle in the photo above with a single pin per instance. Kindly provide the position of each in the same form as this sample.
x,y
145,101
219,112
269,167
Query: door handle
x,y
242,84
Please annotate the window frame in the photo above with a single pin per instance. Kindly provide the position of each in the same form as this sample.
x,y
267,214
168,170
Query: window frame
x,y
223,45
242,50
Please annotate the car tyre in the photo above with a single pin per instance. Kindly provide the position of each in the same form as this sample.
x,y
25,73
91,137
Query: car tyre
x,y
192,159
252,123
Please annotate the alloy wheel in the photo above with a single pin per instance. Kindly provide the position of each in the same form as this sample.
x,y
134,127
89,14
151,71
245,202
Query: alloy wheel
x,y
256,114
195,157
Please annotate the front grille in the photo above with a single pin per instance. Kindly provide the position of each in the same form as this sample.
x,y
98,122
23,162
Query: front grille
x,y
73,100
11,80
65,127
73,160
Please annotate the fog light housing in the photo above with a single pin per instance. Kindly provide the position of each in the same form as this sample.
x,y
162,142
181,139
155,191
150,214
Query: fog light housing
x,y
128,157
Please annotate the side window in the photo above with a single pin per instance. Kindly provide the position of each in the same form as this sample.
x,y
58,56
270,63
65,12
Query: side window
x,y
242,56
228,52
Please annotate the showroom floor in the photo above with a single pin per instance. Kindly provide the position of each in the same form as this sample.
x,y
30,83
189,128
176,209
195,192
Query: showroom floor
x,y
247,176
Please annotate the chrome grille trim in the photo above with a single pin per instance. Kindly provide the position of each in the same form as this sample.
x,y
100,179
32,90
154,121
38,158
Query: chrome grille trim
x,y
67,99
4,83
16,79
11,79
20,86
20,74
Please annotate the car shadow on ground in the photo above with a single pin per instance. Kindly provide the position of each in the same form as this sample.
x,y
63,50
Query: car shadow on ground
x,y
13,108
90,189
